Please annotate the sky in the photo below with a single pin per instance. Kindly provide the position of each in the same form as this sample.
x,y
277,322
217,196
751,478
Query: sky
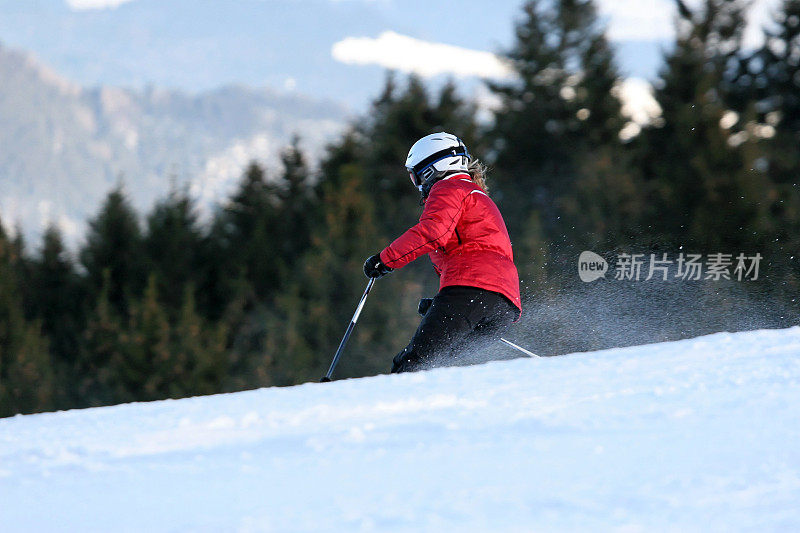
x,y
337,49
628,19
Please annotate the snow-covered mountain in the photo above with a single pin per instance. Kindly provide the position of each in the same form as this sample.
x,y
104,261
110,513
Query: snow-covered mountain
x,y
694,435
63,146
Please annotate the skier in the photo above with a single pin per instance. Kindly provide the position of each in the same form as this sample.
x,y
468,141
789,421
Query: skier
x,y
465,236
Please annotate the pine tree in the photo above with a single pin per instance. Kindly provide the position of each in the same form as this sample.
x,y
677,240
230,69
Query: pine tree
x,y
562,102
58,300
173,247
22,268
222,281
114,243
26,377
779,81
28,381
246,270
555,138
142,369
198,357
250,222
332,277
102,346
696,166
297,207
397,120
771,78
309,317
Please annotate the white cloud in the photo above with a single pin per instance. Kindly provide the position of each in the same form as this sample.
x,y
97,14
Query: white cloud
x,y
406,54
85,5
638,105
759,16
638,102
648,20
627,20
391,50
632,20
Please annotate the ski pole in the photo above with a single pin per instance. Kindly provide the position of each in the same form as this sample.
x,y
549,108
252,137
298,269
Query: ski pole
x,y
348,332
520,348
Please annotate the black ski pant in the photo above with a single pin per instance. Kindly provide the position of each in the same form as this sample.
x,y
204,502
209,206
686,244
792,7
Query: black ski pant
x,y
460,320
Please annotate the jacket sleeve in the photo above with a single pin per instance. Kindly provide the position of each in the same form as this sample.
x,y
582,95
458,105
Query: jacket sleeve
x,y
435,227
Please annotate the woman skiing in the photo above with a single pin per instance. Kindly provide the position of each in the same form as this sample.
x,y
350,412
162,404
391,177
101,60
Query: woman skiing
x,y
465,236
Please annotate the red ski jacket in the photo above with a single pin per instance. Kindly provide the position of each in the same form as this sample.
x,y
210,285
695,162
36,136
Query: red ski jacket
x,y
466,238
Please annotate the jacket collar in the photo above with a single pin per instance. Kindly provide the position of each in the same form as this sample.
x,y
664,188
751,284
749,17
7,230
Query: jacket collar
x,y
462,175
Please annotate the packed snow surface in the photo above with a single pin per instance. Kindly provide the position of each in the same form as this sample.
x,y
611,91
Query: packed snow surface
x,y
700,434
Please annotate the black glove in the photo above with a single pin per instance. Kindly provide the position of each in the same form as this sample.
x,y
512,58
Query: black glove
x,y
374,267
424,305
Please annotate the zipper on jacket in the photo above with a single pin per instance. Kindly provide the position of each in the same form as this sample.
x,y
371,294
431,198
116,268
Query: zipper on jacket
x,y
458,237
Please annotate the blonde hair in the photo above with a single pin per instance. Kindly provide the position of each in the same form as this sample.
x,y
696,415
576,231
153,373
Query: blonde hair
x,y
477,172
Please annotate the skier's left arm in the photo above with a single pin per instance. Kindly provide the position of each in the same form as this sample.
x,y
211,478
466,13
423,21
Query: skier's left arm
x,y
435,227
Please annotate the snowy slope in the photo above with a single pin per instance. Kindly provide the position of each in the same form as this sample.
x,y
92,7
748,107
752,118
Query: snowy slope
x,y
700,434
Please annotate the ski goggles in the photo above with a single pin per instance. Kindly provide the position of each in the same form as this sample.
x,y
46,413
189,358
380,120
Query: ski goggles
x,y
414,180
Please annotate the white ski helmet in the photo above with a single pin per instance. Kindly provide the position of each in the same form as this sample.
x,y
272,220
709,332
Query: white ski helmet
x,y
434,157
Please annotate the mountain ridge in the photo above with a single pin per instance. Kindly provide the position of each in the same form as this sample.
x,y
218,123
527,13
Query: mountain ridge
x,y
64,146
